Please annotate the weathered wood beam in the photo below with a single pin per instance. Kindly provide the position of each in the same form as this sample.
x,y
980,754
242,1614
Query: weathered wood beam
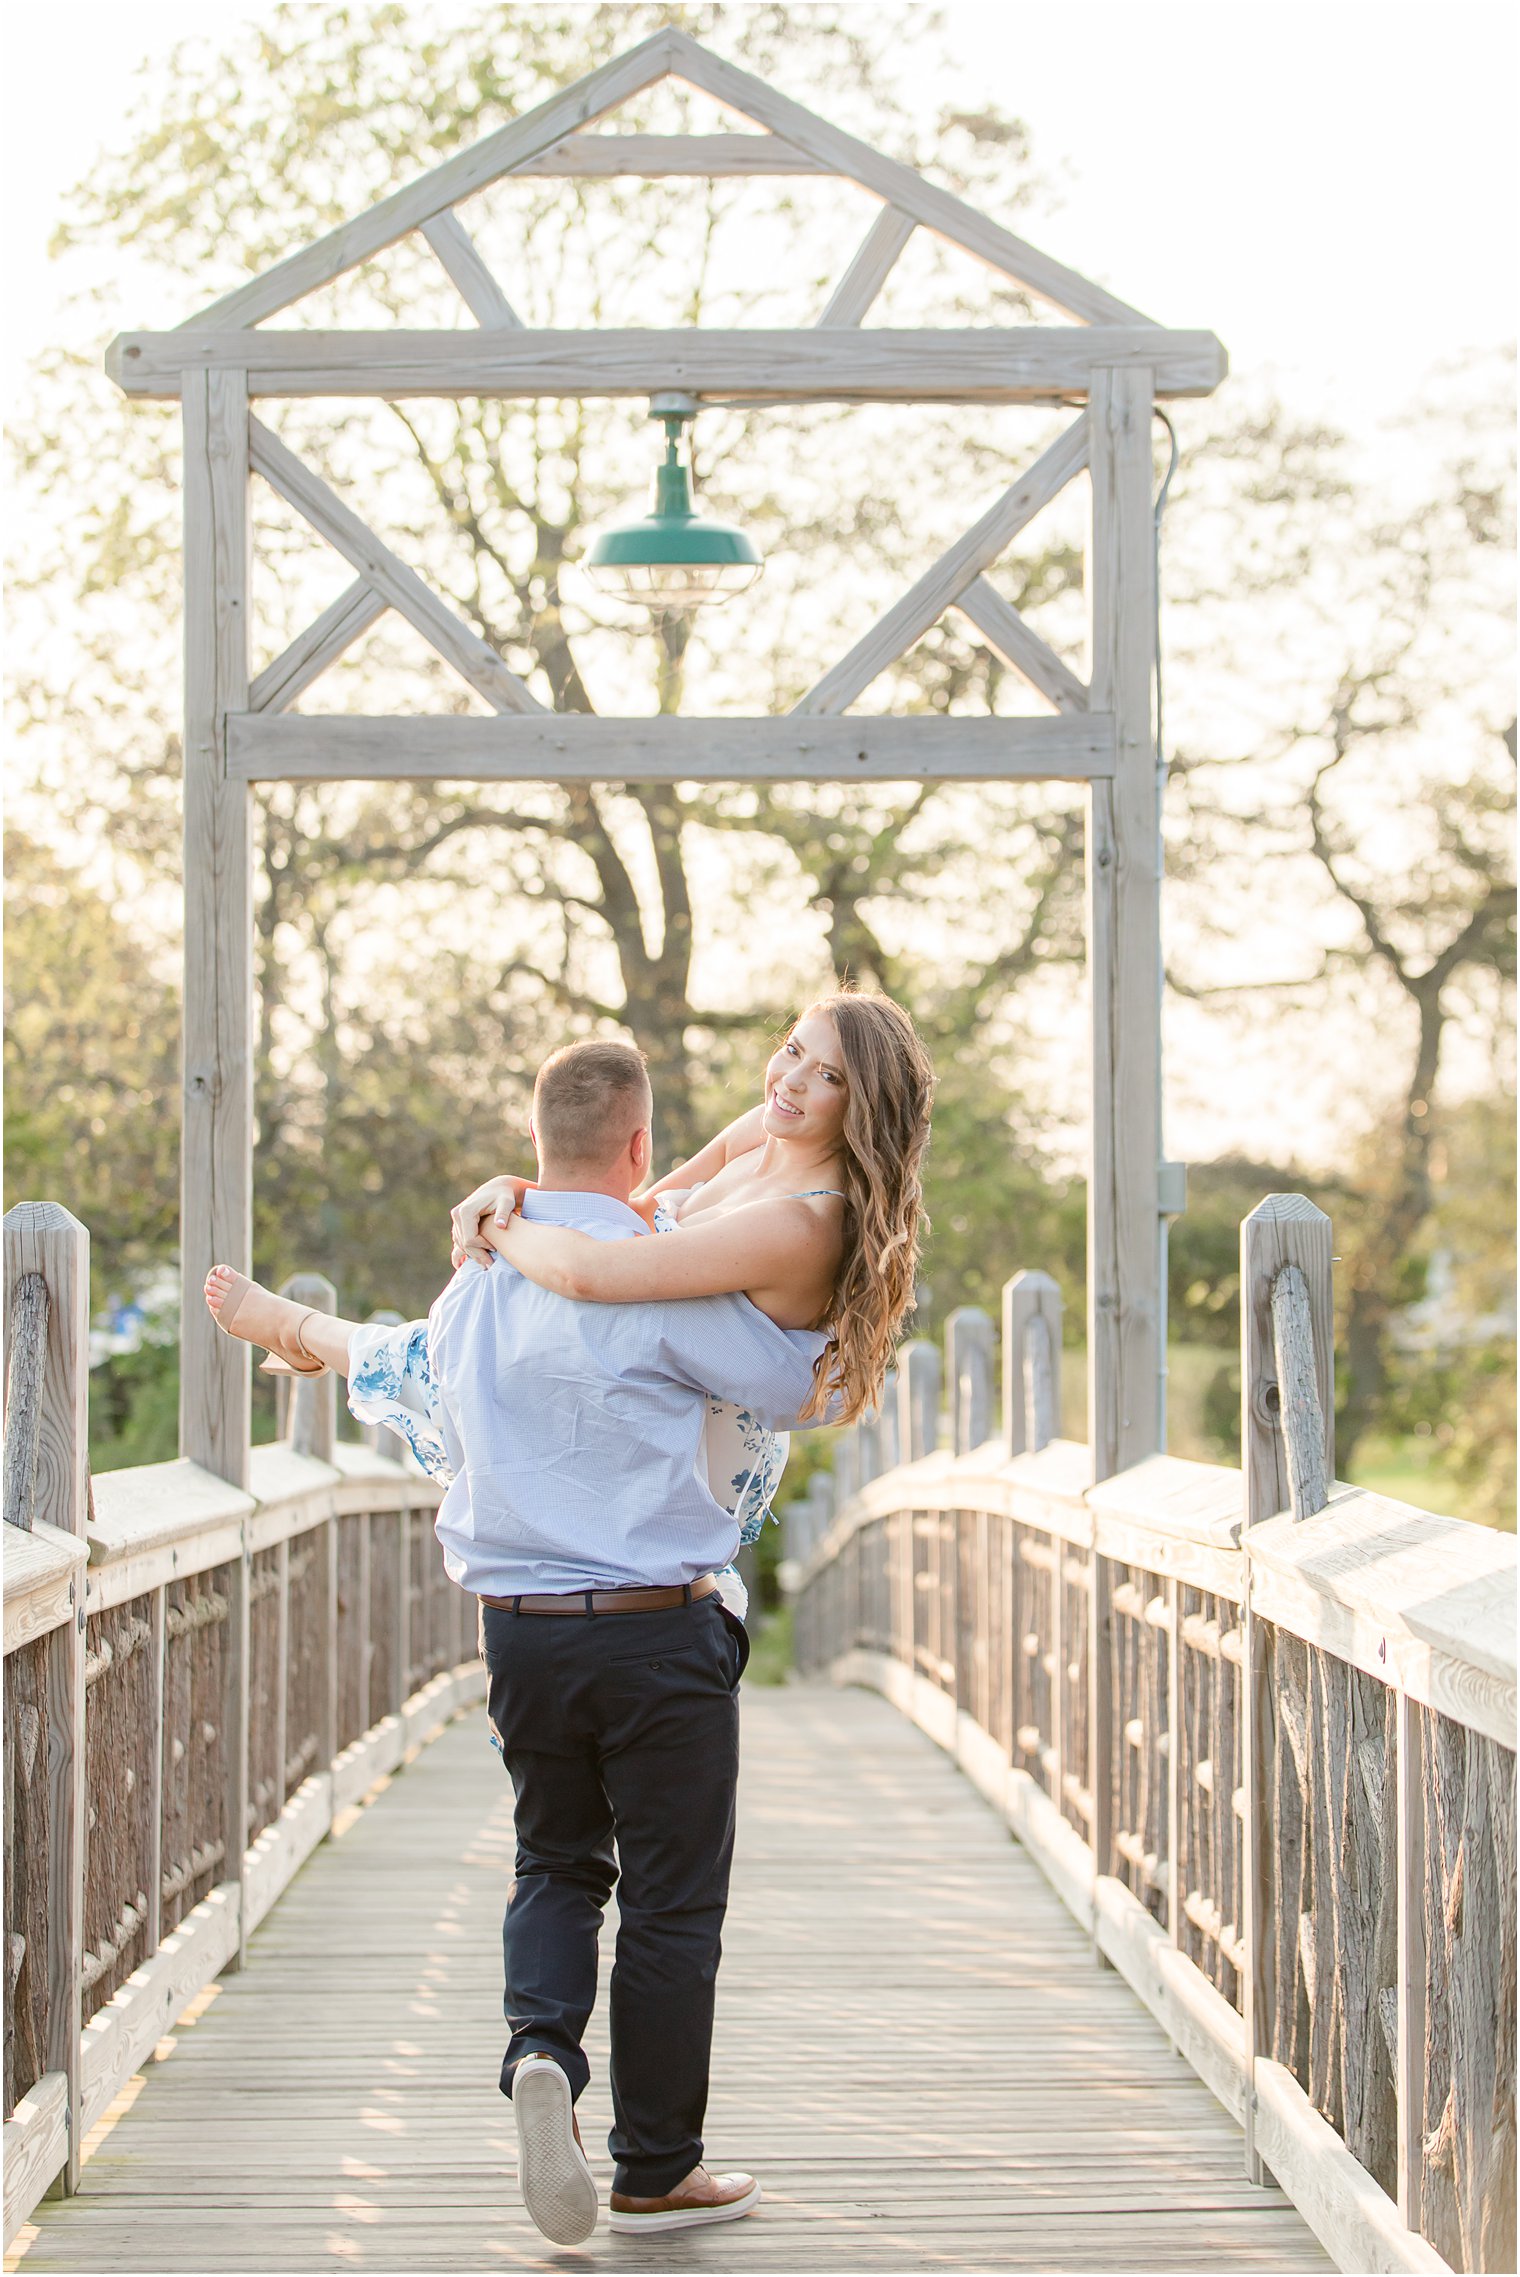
x,y
344,248
341,623
985,364
589,157
564,747
216,1157
869,270
1021,646
941,586
937,209
477,288
477,664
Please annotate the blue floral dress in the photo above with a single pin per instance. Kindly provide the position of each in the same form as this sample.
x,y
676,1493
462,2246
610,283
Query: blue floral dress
x,y
390,1382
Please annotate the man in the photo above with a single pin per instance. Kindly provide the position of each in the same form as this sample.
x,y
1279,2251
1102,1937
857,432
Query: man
x,y
578,1516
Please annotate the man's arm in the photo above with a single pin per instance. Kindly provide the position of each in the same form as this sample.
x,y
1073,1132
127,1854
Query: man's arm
x,y
724,1346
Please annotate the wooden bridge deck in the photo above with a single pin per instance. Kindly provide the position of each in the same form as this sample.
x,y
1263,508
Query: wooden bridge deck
x,y
916,2051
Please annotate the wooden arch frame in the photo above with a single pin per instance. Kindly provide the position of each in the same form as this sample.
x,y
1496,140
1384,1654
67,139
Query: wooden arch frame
x,y
1111,361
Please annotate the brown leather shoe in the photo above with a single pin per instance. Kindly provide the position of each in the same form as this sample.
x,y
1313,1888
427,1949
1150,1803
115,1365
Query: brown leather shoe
x,y
701,2198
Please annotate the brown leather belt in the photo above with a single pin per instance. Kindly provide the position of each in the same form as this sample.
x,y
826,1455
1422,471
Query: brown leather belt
x,y
587,1601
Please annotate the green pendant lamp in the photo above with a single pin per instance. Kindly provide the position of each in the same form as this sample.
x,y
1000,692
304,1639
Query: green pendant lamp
x,y
673,558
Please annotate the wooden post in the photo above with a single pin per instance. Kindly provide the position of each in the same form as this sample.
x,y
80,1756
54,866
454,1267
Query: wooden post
x,y
1409,2050
1031,1413
1125,1230
282,1674
969,1338
216,1173
399,1686
158,1647
1175,1887
313,1408
42,1238
918,1387
1284,1231
236,1670
1125,1227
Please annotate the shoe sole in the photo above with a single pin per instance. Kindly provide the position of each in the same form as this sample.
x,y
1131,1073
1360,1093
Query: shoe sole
x,y
558,2188
687,2218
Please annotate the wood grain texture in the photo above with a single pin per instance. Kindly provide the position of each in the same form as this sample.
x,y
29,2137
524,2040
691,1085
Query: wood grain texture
x,y
561,747
460,256
1125,1234
327,638
458,177
43,1567
476,662
870,269
216,1162
1283,1230
342,2100
44,1241
1032,1308
653,157
941,586
1018,644
950,364
36,2146
26,1362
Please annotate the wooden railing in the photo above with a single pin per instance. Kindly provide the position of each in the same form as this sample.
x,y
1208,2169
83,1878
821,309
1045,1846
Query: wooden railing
x,y
199,1683
1257,1727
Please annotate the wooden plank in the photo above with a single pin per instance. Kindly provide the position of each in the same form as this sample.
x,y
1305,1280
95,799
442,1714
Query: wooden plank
x,y
43,1238
216,1161
43,1568
1027,1299
355,1771
1447,1648
458,177
160,1522
1409,2052
284,1847
564,747
870,269
1285,1229
333,633
955,364
1354,2220
477,664
1125,1233
477,288
926,601
654,157
236,1676
157,1647
36,2146
135,2019
1021,646
935,208
1178,1499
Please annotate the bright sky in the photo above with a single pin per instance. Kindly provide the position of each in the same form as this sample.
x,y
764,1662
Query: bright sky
x,y
1326,184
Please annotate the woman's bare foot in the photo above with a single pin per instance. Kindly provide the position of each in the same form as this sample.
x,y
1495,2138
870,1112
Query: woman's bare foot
x,y
243,1308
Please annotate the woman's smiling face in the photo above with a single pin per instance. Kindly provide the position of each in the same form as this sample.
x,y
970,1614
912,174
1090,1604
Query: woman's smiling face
x,y
806,1091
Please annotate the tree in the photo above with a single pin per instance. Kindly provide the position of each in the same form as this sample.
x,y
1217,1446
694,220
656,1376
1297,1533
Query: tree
x,y
1386,790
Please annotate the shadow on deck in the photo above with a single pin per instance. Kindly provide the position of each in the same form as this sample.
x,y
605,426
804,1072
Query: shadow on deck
x,y
916,2050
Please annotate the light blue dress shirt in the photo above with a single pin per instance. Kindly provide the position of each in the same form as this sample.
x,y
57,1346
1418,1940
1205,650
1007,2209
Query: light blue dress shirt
x,y
574,1431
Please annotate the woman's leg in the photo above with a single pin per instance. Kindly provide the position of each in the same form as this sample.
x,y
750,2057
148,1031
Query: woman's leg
x,y
263,1318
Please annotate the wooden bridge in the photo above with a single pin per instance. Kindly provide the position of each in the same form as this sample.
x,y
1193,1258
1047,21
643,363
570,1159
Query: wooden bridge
x,y
944,2049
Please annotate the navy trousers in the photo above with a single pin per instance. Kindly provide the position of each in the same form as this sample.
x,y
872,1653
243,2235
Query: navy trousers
x,y
621,1734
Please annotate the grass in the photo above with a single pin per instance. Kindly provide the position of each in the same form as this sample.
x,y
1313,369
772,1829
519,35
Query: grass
x,y
770,1657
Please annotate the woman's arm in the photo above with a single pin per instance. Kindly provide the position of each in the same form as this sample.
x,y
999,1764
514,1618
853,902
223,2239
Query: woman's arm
x,y
741,1136
497,1198
774,1252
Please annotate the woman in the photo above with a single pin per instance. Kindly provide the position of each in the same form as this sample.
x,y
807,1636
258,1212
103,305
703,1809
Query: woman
x,y
809,1205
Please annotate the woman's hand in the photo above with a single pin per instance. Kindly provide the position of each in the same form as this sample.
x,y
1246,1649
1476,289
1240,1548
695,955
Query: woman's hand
x,y
496,1199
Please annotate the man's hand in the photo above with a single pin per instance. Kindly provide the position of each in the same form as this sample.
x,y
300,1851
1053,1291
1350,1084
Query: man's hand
x,y
497,1199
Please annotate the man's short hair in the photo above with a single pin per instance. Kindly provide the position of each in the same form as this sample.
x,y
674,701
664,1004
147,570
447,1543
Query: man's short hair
x,y
588,1101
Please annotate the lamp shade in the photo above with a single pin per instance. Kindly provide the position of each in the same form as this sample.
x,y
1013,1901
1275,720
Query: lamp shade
x,y
673,558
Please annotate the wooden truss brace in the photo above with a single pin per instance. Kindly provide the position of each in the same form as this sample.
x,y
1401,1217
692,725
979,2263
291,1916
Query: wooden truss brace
x,y
544,130
949,582
386,576
478,289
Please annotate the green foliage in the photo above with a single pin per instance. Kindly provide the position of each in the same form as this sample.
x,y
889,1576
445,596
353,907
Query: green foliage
x,y
91,1065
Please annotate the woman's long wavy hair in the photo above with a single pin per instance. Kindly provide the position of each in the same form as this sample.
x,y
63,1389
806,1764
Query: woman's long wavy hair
x,y
886,1129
